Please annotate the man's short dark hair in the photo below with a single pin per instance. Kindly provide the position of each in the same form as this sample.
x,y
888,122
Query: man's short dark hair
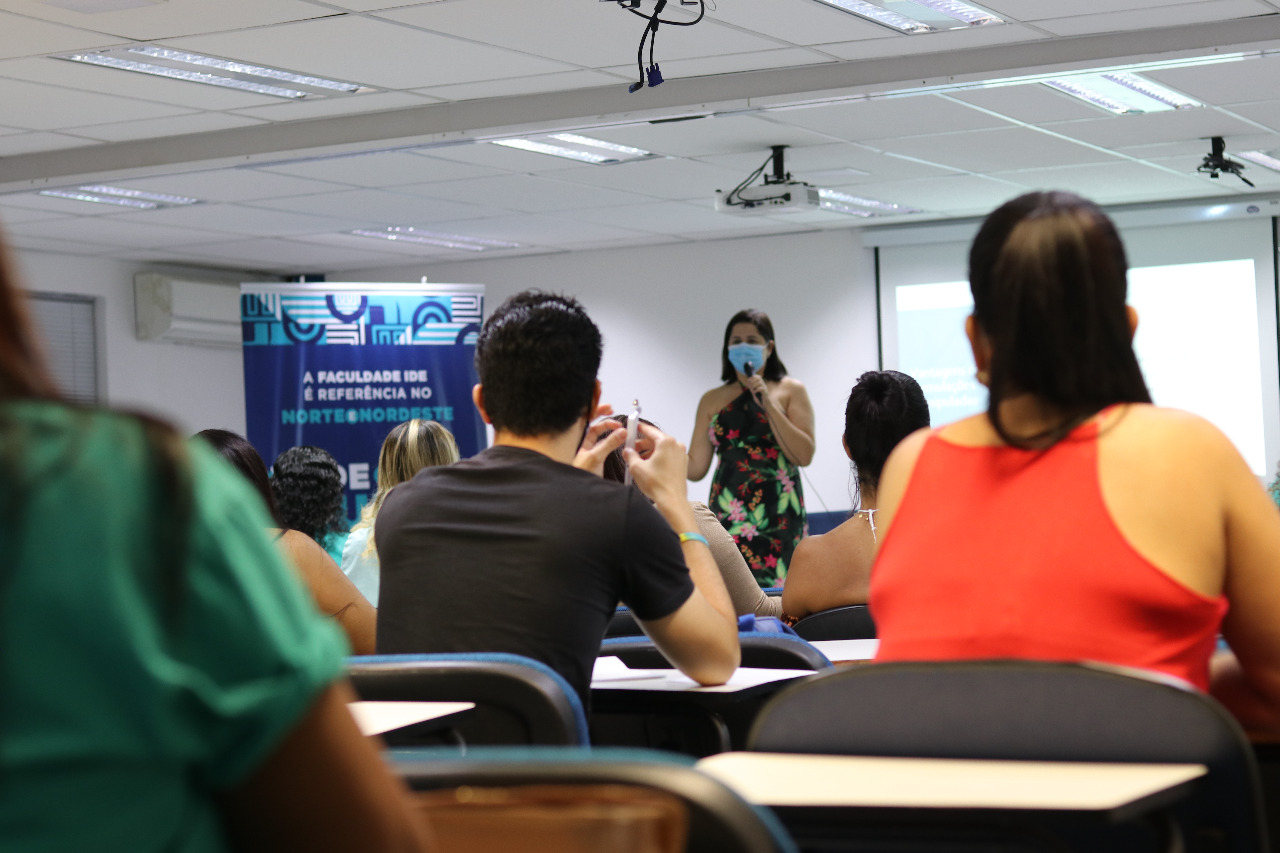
x,y
537,358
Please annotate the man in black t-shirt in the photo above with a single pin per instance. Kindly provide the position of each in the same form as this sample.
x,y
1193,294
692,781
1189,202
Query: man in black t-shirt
x,y
524,548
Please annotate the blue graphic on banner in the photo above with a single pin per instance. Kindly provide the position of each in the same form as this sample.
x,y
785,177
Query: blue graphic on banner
x,y
338,365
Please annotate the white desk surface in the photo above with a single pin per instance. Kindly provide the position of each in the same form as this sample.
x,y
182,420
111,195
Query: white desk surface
x,y
846,650
374,718
610,673
838,780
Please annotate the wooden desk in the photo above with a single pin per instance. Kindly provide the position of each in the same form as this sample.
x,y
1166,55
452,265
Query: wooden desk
x,y
374,718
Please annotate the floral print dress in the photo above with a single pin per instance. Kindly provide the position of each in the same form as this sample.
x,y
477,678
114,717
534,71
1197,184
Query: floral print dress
x,y
755,491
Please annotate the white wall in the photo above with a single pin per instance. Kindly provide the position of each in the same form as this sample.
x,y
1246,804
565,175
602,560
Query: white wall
x,y
663,310
194,387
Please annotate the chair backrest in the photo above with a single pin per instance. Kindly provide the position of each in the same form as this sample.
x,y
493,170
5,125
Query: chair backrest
x,y
762,650
851,622
719,820
1032,711
518,700
623,624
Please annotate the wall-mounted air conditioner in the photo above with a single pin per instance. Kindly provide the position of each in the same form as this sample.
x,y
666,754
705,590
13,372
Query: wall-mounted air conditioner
x,y
183,311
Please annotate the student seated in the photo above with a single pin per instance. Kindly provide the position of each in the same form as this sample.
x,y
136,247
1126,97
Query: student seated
x,y
834,569
1073,520
517,550
332,591
165,683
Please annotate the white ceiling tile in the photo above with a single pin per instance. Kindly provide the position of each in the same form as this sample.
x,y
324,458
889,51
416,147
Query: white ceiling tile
x,y
1151,128
676,218
891,117
241,219
524,85
397,57
385,247
710,135
174,17
537,229
663,178
1036,10
375,5
25,36
589,36
962,195
347,105
378,208
12,144
1000,149
37,107
1170,15
1262,112
231,185
831,165
108,231
1105,183
1227,82
903,45
525,193
173,126
59,206
1034,103
26,242
500,158
113,81
803,22
677,69
13,215
380,169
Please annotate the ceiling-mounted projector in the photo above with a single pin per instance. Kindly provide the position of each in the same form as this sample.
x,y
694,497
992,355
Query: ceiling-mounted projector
x,y
778,194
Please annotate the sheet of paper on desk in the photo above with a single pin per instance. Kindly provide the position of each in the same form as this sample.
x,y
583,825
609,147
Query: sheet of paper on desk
x,y
613,669
374,718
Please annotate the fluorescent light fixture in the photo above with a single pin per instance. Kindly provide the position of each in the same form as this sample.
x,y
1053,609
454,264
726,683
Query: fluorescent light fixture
x,y
408,234
573,146
1260,158
159,198
1122,93
244,68
919,16
839,202
196,68
121,196
76,195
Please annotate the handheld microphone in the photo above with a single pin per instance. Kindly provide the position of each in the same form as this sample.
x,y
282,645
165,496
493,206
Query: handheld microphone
x,y
748,370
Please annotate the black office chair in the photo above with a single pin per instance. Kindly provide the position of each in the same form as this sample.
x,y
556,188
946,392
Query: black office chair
x,y
851,622
518,700
1031,711
719,820
760,650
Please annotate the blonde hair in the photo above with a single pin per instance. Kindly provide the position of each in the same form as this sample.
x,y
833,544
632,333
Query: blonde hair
x,y
407,449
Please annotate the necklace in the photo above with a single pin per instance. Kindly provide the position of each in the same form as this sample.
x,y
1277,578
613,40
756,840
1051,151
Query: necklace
x,y
871,519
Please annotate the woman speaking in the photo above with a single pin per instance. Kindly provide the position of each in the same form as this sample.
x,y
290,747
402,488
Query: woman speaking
x,y
760,422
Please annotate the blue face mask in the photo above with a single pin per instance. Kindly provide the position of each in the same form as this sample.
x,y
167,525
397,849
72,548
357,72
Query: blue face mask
x,y
741,354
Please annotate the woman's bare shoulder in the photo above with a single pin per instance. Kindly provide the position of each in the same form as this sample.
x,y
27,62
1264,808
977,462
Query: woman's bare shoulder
x,y
1159,428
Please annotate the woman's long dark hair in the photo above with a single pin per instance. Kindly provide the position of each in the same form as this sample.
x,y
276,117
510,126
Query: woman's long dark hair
x,y
1048,276
774,369
237,450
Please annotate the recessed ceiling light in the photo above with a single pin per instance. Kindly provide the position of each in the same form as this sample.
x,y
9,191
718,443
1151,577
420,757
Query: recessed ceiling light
x,y
919,16
573,146
839,202
121,196
1261,158
1122,93
211,70
407,234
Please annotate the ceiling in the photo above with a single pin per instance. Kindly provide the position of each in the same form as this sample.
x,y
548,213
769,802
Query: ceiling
x,y
864,109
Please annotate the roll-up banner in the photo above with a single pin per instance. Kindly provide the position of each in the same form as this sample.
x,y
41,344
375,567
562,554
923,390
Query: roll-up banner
x,y
337,365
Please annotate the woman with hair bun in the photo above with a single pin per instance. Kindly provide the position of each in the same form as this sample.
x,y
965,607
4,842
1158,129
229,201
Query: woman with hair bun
x,y
760,422
1073,520
307,484
834,569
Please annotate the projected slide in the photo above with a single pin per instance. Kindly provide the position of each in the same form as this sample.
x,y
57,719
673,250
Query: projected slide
x,y
1197,343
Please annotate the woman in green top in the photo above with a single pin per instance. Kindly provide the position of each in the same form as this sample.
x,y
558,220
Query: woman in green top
x,y
165,684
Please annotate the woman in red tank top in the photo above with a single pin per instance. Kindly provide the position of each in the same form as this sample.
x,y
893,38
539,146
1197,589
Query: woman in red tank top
x,y
1060,524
